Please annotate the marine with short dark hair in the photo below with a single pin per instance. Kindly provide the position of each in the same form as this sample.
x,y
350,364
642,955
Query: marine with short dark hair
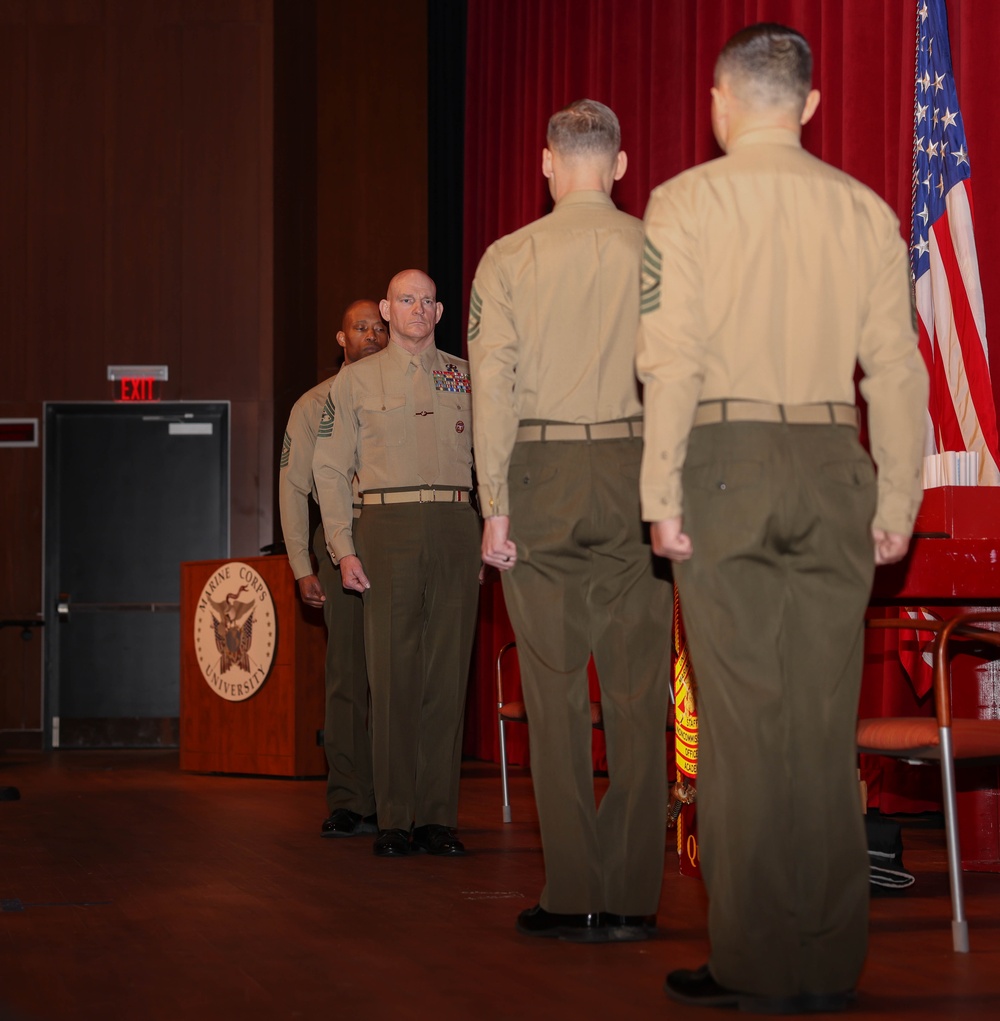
x,y
552,331
350,797
769,276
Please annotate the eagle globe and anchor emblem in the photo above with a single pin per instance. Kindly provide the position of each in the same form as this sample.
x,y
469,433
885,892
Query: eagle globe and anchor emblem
x,y
234,631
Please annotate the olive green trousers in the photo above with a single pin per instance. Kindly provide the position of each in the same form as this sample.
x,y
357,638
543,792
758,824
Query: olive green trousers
x,y
583,585
420,616
346,740
773,600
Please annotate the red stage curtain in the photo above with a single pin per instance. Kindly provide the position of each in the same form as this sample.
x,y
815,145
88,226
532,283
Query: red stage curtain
x,y
652,62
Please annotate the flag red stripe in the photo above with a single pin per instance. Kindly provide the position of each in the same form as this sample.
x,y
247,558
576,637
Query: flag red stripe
x,y
946,425
974,358
924,346
947,431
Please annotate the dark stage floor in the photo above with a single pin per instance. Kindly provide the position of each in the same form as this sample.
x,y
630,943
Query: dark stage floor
x,y
131,890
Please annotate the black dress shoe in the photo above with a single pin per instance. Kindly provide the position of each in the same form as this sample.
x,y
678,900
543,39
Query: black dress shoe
x,y
698,989
342,822
392,843
537,921
436,839
628,928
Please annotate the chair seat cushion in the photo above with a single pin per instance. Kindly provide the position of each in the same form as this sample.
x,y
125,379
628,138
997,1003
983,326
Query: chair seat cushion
x,y
514,711
915,738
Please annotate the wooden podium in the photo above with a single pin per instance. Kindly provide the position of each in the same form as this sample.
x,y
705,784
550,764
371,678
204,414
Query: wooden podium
x,y
275,731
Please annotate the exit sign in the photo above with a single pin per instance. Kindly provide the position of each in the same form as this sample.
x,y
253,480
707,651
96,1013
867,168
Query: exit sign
x,y
137,382
137,388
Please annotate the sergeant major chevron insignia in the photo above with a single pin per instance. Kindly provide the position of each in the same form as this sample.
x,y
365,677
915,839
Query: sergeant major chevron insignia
x,y
326,420
475,313
652,266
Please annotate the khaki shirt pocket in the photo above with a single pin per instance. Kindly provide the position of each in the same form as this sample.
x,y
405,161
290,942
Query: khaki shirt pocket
x,y
383,420
455,410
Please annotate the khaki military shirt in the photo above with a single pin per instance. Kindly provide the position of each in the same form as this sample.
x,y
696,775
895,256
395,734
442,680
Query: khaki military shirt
x,y
552,323
767,275
295,478
374,433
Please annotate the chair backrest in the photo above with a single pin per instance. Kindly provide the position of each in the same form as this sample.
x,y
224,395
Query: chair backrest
x,y
504,651
960,628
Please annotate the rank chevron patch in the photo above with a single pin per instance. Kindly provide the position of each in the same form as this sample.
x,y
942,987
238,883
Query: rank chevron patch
x,y
325,430
652,265
475,313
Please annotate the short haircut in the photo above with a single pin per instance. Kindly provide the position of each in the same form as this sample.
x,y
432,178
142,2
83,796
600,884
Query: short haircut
x,y
768,65
347,317
585,128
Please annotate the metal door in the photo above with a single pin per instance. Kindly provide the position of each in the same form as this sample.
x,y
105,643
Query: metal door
x,y
131,491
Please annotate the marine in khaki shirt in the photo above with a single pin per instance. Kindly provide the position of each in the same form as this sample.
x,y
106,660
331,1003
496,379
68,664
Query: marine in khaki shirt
x,y
754,311
349,794
383,432
768,277
296,485
553,320
579,266
402,422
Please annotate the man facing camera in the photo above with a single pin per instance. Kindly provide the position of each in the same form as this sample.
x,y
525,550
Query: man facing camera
x,y
349,795
402,422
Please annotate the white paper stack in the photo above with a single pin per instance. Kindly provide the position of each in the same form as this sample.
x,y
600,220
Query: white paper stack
x,y
951,468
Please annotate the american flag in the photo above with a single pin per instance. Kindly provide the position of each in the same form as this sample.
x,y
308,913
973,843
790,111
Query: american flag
x,y
915,653
945,269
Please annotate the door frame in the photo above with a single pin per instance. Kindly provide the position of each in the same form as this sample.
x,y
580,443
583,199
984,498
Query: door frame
x,y
165,410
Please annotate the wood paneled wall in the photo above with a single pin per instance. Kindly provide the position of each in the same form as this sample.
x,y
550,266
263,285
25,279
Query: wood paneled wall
x,y
372,154
204,184
136,219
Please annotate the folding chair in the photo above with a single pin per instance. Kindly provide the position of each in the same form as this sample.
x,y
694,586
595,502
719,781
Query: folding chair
x,y
514,712
941,738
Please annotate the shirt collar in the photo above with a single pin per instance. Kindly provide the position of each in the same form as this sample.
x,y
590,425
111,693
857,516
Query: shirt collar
x,y
577,198
403,359
427,357
767,136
